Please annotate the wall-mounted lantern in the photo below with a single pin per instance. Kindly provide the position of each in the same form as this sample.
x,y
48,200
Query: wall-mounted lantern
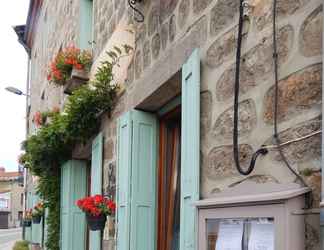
x,y
139,17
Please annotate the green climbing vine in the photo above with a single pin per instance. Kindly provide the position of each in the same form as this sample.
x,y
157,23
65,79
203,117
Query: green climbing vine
x,y
59,133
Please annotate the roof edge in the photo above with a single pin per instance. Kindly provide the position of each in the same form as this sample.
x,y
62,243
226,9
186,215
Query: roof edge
x,y
31,23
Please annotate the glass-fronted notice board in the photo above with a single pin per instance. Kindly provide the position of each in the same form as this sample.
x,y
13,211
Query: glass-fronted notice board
x,y
240,234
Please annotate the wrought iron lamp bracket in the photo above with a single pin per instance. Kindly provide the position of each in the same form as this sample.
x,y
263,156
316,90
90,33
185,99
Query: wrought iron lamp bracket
x,y
139,17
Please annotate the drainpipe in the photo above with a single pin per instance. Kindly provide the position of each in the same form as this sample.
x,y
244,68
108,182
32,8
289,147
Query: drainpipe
x,y
26,135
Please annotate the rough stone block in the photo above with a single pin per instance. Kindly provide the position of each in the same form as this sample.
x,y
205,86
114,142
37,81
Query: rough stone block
x,y
156,45
223,49
222,15
183,12
164,35
314,181
200,5
298,92
312,232
223,128
109,150
172,28
172,61
256,65
311,34
166,8
130,73
138,64
220,164
205,112
262,12
140,34
302,151
146,54
153,20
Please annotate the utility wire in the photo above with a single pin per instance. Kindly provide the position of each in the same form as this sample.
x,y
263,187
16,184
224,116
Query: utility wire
x,y
278,144
261,151
275,60
292,141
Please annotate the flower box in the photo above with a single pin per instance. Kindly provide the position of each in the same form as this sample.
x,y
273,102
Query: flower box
x,y
37,219
96,223
70,67
78,78
27,223
38,212
96,208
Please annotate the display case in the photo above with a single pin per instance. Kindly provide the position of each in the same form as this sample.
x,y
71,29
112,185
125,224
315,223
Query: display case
x,y
253,217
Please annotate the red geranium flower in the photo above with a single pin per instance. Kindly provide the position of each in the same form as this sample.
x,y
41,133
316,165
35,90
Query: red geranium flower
x,y
96,205
61,67
38,119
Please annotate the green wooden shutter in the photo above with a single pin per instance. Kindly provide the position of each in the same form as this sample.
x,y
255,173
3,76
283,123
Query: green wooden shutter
x,y
124,160
136,187
45,227
73,187
190,142
143,181
36,228
86,22
96,184
29,205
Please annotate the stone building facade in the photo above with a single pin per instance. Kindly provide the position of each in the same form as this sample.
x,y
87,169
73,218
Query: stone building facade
x,y
171,31
11,198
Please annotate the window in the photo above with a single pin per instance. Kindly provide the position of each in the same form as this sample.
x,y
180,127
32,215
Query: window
x,y
139,178
22,199
169,173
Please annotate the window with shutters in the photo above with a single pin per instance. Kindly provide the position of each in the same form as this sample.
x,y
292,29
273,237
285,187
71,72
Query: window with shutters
x,y
80,178
158,170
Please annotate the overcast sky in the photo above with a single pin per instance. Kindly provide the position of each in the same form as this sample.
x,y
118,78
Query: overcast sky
x,y
13,68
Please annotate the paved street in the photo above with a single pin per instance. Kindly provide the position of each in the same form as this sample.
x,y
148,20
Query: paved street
x,y
8,237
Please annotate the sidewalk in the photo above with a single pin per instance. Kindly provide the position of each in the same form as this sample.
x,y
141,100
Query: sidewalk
x,y
8,246
8,237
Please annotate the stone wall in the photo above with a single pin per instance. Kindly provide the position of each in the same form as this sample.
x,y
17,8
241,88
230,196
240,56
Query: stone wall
x,y
172,29
57,27
212,26
300,73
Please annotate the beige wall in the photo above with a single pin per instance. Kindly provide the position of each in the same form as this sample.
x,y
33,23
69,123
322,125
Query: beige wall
x,y
15,200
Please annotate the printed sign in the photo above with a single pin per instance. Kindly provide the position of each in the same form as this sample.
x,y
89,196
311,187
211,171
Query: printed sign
x,y
230,235
262,236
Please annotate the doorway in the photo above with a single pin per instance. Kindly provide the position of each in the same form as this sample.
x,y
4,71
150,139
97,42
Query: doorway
x,y
169,173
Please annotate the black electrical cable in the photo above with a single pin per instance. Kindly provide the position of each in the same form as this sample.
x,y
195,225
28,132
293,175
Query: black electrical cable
x,y
132,3
275,60
261,151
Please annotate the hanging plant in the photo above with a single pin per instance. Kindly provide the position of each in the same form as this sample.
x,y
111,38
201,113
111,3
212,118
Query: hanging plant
x,y
27,218
55,139
40,118
38,212
65,61
97,208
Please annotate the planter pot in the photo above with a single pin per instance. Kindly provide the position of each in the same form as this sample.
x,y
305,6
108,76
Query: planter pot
x,y
96,223
27,223
79,77
37,220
